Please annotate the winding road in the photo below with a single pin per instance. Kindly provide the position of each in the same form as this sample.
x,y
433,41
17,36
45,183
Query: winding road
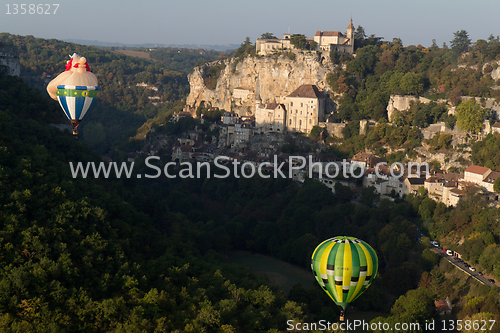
x,y
453,260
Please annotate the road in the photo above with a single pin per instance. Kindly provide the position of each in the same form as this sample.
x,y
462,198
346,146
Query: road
x,y
453,260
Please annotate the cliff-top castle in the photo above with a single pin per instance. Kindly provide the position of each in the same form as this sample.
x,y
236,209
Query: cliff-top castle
x,y
326,41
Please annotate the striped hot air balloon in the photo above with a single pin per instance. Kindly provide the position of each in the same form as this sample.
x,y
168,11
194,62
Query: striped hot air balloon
x,y
75,89
344,267
75,101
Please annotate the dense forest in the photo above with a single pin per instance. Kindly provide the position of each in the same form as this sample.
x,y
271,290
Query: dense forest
x,y
122,107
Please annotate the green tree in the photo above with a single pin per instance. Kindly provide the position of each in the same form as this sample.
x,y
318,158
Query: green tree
x,y
411,84
461,41
299,41
313,45
317,132
496,185
470,116
268,35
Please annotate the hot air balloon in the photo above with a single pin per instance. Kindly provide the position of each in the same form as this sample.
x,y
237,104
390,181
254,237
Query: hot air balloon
x,y
75,89
344,267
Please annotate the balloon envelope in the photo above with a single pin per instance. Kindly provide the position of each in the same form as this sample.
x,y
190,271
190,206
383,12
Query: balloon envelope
x,y
344,267
76,100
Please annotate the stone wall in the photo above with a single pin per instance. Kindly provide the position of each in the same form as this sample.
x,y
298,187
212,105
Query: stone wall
x,y
334,128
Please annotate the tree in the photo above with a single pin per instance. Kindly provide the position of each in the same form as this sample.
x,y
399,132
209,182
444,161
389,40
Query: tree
x,y
316,132
460,42
313,45
359,37
299,41
470,116
496,185
411,84
268,35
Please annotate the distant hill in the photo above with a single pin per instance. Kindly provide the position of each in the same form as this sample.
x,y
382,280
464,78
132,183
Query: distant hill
x,y
224,47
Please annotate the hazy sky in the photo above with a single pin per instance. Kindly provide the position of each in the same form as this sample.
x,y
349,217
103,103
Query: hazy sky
x,y
230,21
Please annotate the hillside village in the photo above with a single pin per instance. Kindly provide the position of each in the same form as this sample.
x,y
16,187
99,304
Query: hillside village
x,y
257,134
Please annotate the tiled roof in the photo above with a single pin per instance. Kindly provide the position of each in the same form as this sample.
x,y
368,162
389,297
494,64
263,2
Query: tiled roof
x,y
329,33
272,106
477,169
492,177
416,181
307,90
442,306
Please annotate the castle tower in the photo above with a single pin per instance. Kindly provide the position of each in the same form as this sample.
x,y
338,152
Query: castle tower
x,y
350,35
350,32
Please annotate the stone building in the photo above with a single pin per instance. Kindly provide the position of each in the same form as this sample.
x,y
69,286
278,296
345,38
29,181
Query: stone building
x,y
305,108
270,117
326,40
266,46
335,40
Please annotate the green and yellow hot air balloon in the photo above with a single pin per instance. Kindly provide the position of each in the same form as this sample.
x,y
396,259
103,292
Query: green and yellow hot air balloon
x,y
344,267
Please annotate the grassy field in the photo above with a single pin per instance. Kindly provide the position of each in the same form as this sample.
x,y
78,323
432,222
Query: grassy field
x,y
279,273
140,54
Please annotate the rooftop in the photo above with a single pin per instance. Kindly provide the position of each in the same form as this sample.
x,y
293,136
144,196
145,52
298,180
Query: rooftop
x,y
477,169
307,90
328,33
492,176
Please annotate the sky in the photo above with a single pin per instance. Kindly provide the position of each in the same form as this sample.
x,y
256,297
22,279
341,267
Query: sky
x,y
231,21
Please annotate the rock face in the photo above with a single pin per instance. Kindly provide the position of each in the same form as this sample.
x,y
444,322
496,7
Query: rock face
x,y
10,60
402,103
267,77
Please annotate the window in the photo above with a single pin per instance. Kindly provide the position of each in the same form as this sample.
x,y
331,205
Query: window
x,y
291,103
301,104
310,121
290,121
300,123
301,113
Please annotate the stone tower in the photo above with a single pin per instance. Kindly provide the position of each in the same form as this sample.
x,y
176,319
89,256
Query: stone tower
x,y
350,32
350,35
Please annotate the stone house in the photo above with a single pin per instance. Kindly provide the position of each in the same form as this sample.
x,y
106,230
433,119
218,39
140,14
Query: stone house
x,y
335,40
489,180
267,46
243,131
476,174
443,307
270,118
495,128
326,40
305,108
182,153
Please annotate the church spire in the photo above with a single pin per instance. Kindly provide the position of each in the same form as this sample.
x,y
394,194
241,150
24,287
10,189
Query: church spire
x,y
350,26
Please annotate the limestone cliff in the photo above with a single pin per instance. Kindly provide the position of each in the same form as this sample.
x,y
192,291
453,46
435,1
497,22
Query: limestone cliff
x,y
10,60
266,77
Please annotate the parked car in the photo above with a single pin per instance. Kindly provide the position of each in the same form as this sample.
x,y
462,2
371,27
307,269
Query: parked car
x,y
491,280
449,252
472,268
434,243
